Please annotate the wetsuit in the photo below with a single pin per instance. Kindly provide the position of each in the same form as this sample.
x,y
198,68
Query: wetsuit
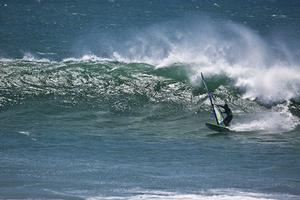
x,y
228,113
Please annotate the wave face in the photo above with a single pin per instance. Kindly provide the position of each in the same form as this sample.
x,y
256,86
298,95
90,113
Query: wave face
x,y
92,83
93,78
96,83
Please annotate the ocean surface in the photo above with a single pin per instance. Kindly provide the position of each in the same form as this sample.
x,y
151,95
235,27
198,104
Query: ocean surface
x,y
104,100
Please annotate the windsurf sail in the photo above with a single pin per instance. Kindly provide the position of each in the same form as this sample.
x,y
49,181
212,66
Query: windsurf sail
x,y
219,116
215,109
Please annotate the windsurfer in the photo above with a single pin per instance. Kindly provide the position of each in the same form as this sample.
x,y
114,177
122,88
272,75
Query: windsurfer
x,y
228,113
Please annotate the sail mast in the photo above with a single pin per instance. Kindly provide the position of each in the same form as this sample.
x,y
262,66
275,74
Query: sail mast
x,y
210,98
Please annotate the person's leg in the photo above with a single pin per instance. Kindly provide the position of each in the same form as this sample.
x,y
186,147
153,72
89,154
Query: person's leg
x,y
227,120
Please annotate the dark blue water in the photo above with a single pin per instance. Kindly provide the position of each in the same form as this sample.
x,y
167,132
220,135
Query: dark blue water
x,y
103,100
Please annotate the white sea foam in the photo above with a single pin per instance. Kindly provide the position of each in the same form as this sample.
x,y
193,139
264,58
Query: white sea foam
x,y
24,133
87,57
229,194
267,122
279,119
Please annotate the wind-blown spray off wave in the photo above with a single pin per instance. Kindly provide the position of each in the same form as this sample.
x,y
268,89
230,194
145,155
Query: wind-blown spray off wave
x,y
266,70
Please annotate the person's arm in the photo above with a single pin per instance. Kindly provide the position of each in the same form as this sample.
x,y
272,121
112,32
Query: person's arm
x,y
220,106
222,111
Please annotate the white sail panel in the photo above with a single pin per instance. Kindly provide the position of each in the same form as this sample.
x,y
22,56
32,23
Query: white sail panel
x,y
219,116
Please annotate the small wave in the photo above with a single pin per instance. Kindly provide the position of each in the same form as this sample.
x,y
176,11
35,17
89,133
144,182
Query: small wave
x,y
87,58
278,16
30,57
229,194
24,133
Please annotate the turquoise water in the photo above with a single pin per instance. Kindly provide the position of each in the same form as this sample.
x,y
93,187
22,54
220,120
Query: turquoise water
x,y
103,99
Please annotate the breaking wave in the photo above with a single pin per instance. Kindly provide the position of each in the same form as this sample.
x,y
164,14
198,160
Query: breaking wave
x,y
162,64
